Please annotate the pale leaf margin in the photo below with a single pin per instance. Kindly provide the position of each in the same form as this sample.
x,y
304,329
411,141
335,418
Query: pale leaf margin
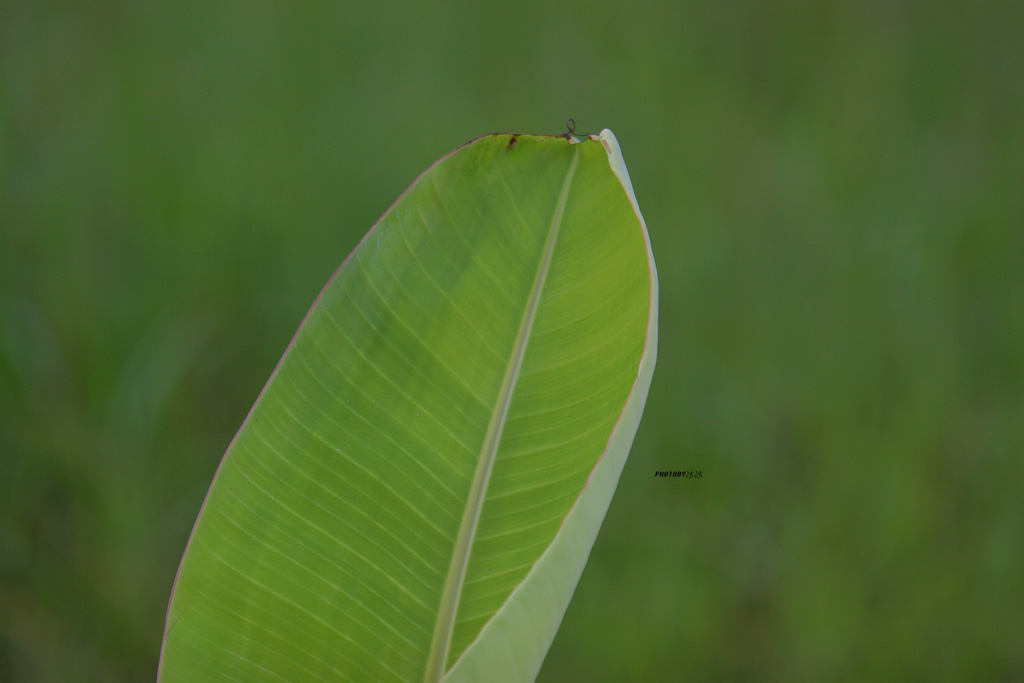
x,y
511,647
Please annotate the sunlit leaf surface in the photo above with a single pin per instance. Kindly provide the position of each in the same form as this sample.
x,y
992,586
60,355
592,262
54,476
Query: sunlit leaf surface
x,y
416,491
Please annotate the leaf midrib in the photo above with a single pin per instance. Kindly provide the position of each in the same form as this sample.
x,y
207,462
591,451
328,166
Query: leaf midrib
x,y
445,623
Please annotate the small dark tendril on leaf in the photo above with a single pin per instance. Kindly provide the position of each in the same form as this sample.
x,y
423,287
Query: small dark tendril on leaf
x,y
570,126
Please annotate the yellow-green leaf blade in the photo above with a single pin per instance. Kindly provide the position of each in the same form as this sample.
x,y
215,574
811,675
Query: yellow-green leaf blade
x,y
489,329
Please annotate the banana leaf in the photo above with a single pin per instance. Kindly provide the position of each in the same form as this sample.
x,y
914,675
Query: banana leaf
x,y
415,492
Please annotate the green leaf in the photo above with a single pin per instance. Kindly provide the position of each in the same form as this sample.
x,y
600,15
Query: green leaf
x,y
416,490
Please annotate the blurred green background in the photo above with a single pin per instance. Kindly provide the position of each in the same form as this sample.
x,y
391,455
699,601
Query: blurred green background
x,y
835,195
